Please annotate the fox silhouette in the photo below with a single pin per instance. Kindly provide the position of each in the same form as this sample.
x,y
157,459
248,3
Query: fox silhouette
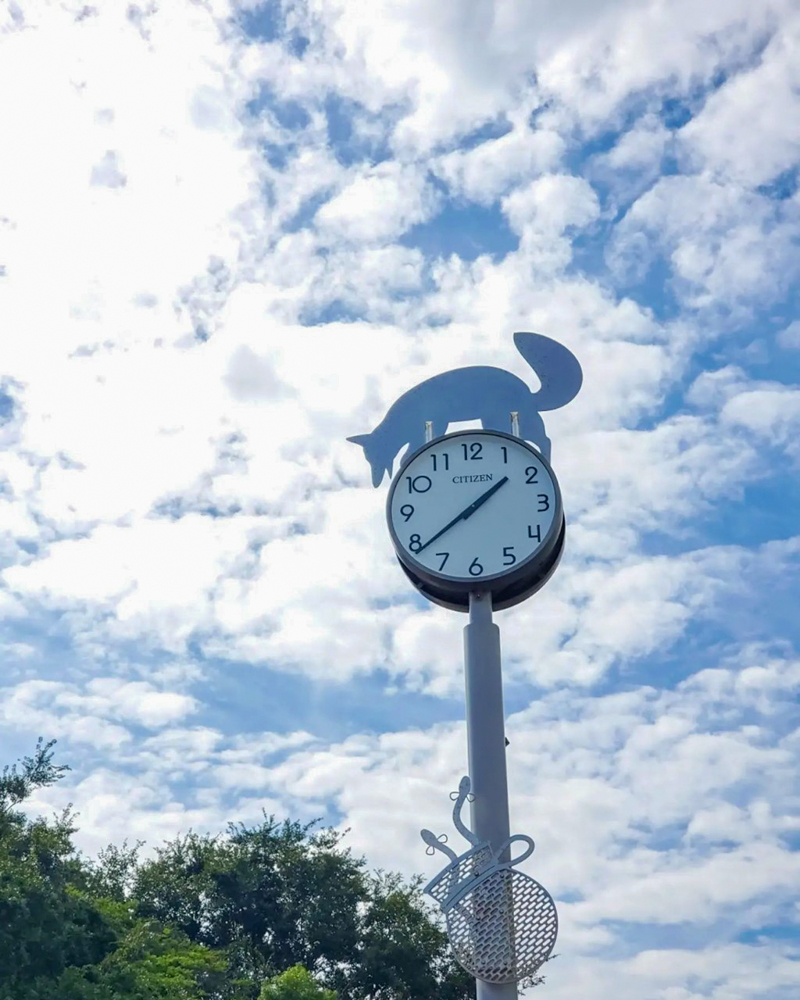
x,y
480,393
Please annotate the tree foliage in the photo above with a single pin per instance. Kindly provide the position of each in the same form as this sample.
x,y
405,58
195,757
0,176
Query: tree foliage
x,y
271,911
296,983
19,780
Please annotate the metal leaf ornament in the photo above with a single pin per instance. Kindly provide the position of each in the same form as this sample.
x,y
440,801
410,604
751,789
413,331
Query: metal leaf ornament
x,y
502,924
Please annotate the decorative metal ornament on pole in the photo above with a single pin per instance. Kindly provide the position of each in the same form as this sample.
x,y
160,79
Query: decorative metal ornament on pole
x,y
502,924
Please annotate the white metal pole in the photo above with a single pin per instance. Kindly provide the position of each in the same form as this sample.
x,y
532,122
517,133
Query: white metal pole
x,y
486,740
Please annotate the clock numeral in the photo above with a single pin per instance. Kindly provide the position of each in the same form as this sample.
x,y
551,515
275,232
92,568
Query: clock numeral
x,y
418,484
538,535
445,459
531,472
544,502
415,543
474,453
505,454
445,556
407,510
508,556
475,568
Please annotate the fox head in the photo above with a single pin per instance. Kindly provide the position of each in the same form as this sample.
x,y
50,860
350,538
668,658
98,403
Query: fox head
x,y
375,455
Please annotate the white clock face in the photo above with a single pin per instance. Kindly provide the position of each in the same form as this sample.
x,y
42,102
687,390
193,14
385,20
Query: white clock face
x,y
473,505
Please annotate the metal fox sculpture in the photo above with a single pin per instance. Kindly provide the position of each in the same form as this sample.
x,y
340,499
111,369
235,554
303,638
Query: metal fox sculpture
x,y
476,393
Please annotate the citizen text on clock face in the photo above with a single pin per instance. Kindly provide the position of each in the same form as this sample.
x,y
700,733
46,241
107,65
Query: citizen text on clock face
x,y
473,506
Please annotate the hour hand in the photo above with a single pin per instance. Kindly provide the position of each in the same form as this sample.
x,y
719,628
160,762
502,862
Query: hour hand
x,y
466,513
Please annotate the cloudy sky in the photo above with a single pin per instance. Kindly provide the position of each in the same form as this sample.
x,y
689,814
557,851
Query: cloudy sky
x,y
230,236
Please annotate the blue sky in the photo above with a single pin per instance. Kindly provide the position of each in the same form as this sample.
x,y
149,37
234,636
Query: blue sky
x,y
231,235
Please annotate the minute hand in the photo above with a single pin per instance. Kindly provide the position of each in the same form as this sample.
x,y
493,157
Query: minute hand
x,y
466,513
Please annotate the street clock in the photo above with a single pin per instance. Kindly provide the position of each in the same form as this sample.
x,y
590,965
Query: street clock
x,y
477,523
476,511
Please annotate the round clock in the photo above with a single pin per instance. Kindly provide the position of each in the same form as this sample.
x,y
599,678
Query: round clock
x,y
476,511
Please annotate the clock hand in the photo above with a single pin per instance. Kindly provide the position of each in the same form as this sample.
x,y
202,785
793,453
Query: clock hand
x,y
466,513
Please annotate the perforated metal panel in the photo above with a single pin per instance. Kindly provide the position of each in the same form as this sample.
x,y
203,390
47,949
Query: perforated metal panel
x,y
504,927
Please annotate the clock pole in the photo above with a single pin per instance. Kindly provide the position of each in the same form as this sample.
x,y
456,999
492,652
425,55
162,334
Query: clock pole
x,y
486,745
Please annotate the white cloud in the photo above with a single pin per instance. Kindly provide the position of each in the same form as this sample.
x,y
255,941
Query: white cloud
x,y
733,971
552,203
491,168
83,107
790,335
84,713
636,48
740,136
382,203
460,67
640,148
769,410
728,248
30,707
772,413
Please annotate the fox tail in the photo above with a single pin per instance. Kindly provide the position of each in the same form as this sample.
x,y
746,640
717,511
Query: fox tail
x,y
556,366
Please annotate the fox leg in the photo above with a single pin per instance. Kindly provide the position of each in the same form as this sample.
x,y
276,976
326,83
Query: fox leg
x,y
531,427
416,440
545,447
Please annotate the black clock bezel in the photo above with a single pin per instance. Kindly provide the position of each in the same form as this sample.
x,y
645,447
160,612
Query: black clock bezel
x,y
453,591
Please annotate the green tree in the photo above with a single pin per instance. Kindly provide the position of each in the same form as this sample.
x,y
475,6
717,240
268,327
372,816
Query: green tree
x,y
296,983
274,896
46,924
277,911
113,874
402,954
60,937
153,962
277,895
19,780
